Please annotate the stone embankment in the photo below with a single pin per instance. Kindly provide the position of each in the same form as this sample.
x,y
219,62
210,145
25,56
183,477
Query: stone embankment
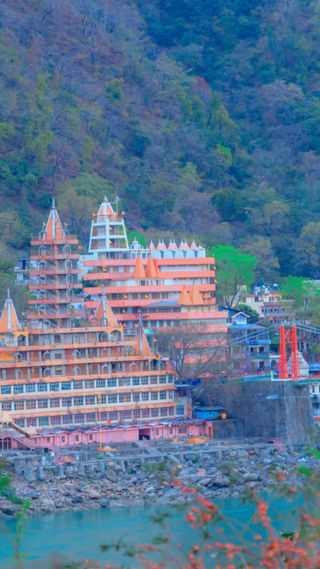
x,y
145,473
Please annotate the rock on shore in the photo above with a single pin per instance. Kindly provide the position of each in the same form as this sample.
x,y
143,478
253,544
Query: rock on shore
x,y
215,477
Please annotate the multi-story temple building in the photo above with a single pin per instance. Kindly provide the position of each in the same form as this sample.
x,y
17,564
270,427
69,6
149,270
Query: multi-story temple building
x,y
167,287
61,369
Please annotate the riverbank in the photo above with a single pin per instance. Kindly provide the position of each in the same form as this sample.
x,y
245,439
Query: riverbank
x,y
217,474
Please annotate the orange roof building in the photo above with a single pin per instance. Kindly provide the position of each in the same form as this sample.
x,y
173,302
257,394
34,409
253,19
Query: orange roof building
x,y
173,286
61,370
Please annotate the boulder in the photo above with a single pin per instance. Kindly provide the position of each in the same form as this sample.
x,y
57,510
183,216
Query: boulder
x,y
111,475
94,494
47,505
104,503
31,495
220,482
206,481
77,499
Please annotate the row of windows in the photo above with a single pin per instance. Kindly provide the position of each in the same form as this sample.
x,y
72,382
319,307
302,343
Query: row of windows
x,y
74,338
89,418
107,369
176,323
88,384
89,400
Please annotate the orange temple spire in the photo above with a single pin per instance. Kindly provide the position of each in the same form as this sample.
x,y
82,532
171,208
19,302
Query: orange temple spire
x,y
105,209
54,229
139,272
9,321
195,296
184,297
142,345
151,269
104,314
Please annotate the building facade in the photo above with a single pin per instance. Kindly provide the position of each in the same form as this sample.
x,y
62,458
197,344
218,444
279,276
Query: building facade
x,y
167,288
61,369
249,346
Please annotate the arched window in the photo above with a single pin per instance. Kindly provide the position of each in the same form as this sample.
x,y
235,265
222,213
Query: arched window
x,y
42,265
69,279
46,355
133,367
103,337
47,372
76,370
22,340
18,374
17,357
42,279
47,324
67,249
68,265
42,309
42,294
76,354
106,368
42,249
70,294
115,336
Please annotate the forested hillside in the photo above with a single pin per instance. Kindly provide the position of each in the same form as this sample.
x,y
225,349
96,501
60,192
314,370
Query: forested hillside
x,y
202,115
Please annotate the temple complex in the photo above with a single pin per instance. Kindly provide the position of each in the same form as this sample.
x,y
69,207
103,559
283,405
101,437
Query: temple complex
x,y
60,369
165,287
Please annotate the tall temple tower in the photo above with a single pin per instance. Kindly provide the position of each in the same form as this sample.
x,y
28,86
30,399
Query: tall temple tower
x,y
108,235
55,284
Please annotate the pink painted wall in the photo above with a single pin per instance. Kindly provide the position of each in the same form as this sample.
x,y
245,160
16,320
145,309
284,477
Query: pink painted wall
x,y
119,435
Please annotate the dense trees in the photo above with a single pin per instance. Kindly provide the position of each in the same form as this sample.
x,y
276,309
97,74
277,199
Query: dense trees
x,y
304,297
202,116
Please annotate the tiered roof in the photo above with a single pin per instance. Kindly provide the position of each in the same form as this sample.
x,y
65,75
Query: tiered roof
x,y
53,228
105,209
9,321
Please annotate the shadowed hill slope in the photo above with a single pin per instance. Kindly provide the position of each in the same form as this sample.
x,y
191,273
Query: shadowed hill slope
x,y
202,116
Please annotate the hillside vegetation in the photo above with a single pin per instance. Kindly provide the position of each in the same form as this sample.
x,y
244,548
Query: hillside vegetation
x,y
203,116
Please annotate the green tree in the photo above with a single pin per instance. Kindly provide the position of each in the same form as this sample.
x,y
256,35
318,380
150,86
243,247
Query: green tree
x,y
268,264
308,249
235,270
304,296
135,235
252,314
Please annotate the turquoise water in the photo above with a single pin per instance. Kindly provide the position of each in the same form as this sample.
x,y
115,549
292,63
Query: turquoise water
x,y
78,535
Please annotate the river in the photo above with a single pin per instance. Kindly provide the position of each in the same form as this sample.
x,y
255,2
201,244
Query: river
x,y
78,535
